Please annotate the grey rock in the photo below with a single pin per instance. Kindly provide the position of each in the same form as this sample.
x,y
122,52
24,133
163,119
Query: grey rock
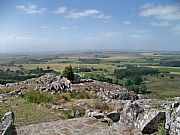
x,y
148,122
7,124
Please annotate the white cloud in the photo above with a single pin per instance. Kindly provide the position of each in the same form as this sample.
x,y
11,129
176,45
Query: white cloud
x,y
87,13
135,36
163,12
127,22
61,10
161,24
111,34
31,9
57,28
63,28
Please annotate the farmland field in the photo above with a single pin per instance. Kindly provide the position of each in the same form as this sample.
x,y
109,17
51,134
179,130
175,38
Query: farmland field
x,y
105,63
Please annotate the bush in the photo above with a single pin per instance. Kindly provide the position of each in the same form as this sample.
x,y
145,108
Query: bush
x,y
128,82
36,97
81,94
143,88
134,88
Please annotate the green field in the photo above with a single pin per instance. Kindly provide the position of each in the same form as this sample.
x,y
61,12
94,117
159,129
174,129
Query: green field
x,y
27,113
169,69
109,60
164,87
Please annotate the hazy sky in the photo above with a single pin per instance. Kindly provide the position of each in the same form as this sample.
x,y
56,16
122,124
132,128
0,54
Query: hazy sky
x,y
57,25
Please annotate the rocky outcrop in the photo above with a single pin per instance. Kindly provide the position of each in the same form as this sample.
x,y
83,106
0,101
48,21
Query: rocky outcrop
x,y
77,126
7,124
172,124
148,122
130,113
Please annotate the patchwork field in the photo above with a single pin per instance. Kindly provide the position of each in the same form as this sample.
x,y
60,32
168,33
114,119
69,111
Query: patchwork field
x,y
105,63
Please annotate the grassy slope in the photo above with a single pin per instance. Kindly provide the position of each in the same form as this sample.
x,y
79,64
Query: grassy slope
x,y
27,113
164,87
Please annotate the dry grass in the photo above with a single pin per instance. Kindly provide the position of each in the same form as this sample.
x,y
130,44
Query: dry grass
x,y
60,67
27,113
164,87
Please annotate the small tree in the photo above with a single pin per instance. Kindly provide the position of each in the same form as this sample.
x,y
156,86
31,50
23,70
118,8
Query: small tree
x,y
68,73
48,67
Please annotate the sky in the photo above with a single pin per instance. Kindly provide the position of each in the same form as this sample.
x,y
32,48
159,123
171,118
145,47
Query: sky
x,y
62,25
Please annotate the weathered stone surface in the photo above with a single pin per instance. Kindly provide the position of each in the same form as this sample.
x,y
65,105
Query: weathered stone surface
x,y
130,113
172,124
77,126
148,122
114,116
94,113
7,124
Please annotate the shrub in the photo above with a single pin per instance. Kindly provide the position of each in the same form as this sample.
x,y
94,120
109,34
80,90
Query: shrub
x,y
81,94
143,88
134,88
36,97
128,82
161,129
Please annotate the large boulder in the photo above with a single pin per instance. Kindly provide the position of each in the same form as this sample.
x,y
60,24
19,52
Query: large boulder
x,y
130,113
172,124
149,121
7,124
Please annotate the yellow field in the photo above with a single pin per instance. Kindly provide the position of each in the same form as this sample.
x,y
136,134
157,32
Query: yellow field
x,y
61,66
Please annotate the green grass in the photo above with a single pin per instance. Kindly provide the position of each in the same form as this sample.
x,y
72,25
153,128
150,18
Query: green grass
x,y
164,87
27,113
169,69
36,97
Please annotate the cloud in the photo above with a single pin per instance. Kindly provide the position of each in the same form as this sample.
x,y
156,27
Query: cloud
x,y
163,12
31,9
63,28
61,10
111,34
127,22
161,24
87,13
137,36
57,28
